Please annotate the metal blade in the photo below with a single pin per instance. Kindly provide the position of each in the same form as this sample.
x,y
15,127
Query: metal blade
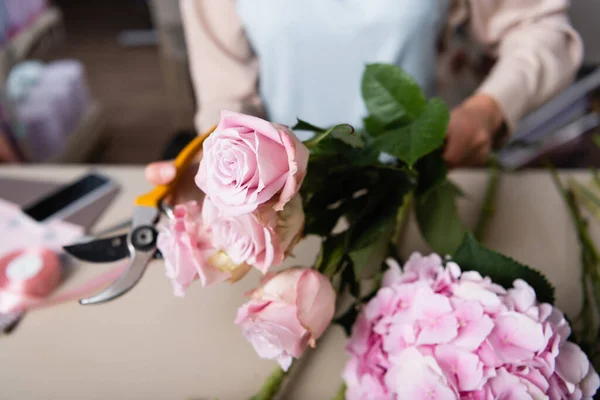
x,y
141,244
101,250
126,282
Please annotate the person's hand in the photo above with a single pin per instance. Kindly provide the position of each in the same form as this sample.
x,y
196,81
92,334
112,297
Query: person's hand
x,y
471,131
163,172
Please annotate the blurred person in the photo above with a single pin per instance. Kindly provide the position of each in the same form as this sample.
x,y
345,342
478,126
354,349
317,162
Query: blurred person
x,y
304,59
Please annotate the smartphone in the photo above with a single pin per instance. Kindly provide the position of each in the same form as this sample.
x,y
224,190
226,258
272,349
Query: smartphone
x,y
71,198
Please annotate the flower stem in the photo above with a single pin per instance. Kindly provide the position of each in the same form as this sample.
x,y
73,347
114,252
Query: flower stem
x,y
590,277
271,385
341,393
487,208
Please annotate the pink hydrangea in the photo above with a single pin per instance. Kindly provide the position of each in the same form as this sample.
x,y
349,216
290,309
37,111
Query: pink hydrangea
x,y
434,332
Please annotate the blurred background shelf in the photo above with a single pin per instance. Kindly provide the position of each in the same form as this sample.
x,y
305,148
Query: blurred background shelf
x,y
44,33
84,140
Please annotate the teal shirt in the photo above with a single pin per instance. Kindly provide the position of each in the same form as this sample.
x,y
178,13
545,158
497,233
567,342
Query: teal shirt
x,y
312,53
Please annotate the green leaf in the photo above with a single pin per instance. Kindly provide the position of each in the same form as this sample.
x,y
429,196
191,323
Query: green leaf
x,y
377,279
348,136
341,393
438,219
342,130
373,230
367,259
333,250
336,197
432,171
347,319
416,140
367,156
596,139
373,126
349,278
323,222
390,94
328,149
306,126
501,269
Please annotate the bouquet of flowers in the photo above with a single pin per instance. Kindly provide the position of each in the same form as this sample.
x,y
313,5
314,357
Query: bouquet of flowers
x,y
470,323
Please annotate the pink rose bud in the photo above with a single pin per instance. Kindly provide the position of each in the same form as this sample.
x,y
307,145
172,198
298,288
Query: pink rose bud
x,y
189,255
248,161
289,312
260,239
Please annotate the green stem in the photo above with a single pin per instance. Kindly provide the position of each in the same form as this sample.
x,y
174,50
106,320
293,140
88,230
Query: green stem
x,y
487,208
271,385
590,258
401,216
341,393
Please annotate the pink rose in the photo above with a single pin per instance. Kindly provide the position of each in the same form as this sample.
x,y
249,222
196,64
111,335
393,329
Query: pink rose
x,y
247,161
260,239
290,311
189,255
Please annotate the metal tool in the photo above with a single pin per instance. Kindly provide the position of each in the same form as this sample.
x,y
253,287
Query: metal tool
x,y
140,243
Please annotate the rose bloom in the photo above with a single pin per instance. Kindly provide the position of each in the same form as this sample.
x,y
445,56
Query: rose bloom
x,y
289,312
248,161
261,238
189,255
434,332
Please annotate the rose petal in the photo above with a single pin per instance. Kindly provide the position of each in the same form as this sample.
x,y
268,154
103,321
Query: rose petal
x,y
297,154
231,119
283,286
315,302
272,328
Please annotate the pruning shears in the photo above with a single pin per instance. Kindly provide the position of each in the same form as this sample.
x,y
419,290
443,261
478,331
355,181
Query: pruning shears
x,y
139,244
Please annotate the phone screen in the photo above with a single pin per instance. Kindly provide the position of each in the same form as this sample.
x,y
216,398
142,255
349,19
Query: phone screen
x,y
64,196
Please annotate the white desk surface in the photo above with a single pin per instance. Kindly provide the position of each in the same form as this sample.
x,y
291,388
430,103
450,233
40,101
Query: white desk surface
x,y
151,345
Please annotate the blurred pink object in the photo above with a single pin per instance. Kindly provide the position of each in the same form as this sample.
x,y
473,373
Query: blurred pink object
x,y
66,78
435,332
53,108
289,312
27,273
30,269
30,276
19,231
22,13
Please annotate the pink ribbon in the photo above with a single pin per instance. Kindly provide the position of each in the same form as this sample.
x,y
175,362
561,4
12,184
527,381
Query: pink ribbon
x,y
30,268
28,277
